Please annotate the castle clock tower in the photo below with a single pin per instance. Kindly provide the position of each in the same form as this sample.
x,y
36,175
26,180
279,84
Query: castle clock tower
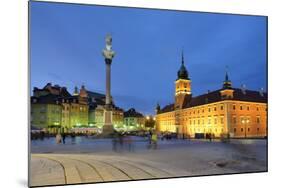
x,y
183,87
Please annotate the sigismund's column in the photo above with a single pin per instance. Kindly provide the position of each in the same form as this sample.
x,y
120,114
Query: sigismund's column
x,y
108,54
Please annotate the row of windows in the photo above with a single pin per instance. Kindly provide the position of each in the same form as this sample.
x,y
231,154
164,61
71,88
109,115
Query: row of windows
x,y
206,130
247,108
245,120
209,110
221,108
74,107
242,130
209,121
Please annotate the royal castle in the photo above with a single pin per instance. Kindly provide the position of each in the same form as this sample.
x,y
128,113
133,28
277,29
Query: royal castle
x,y
228,111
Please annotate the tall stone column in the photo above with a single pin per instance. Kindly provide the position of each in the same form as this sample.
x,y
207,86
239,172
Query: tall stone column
x,y
108,54
108,82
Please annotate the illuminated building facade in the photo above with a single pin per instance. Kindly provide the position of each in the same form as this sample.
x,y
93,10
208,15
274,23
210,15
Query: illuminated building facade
x,y
236,112
53,108
134,119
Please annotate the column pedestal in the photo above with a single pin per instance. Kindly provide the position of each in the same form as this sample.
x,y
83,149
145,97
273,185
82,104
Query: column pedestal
x,y
108,126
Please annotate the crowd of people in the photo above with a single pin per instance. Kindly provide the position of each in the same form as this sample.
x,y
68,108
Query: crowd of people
x,y
120,140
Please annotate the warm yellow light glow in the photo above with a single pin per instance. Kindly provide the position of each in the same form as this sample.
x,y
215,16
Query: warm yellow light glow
x,y
147,117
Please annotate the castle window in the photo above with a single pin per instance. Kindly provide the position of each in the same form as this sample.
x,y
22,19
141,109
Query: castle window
x,y
234,120
203,111
234,107
258,129
257,108
215,109
209,109
221,107
241,129
234,130
258,120
209,121
190,122
198,121
248,108
241,108
215,120
221,120
248,129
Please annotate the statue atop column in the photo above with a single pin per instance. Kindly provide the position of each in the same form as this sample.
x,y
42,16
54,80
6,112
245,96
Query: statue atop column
x,y
108,53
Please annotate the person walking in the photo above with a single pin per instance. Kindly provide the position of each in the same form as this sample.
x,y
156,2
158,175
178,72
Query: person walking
x,y
63,138
154,140
58,138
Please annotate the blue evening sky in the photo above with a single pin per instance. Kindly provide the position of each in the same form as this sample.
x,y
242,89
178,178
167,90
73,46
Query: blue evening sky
x,y
67,40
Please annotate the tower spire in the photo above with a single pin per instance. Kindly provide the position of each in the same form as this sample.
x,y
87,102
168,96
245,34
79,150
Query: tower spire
x,y
182,73
227,83
182,57
226,73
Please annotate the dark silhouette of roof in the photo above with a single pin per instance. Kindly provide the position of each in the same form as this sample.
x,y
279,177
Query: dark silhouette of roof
x,y
132,113
215,96
167,108
46,99
95,94
50,89
183,73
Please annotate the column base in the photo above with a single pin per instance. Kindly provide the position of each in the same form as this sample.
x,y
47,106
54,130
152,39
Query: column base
x,y
108,126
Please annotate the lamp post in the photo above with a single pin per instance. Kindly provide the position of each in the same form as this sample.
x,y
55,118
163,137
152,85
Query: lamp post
x,y
245,122
244,125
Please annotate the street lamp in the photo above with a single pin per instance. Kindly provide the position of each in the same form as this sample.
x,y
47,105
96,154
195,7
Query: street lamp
x,y
244,125
245,122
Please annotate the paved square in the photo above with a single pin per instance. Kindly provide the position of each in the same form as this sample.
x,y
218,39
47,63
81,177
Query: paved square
x,y
99,160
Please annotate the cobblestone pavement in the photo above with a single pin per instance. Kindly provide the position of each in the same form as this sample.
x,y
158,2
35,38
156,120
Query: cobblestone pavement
x,y
51,169
89,160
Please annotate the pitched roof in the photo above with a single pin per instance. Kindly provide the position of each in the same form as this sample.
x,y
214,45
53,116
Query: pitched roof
x,y
167,108
46,99
95,94
215,96
49,89
132,113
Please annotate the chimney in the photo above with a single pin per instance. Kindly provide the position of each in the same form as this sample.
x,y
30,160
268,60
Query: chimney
x,y
261,92
243,89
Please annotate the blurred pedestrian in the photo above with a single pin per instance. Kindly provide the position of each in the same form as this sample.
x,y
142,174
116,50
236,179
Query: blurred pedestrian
x,y
63,138
154,140
58,138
